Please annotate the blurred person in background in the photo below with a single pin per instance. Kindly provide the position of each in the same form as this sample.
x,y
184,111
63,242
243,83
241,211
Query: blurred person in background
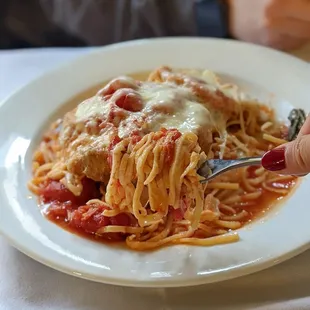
x,y
281,24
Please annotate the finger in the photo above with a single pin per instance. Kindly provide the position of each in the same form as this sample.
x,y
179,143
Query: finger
x,y
299,9
300,175
292,27
283,42
305,129
292,158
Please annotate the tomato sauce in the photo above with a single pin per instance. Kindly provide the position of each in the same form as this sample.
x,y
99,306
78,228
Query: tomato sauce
x,y
258,207
72,213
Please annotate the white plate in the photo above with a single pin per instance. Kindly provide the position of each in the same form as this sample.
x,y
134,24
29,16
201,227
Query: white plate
x,y
260,71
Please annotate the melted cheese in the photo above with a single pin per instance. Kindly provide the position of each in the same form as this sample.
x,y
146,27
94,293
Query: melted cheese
x,y
213,81
165,105
90,108
171,106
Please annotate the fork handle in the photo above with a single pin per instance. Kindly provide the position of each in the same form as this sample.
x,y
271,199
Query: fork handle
x,y
246,161
212,168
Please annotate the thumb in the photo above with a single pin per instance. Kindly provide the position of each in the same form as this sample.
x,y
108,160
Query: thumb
x,y
291,158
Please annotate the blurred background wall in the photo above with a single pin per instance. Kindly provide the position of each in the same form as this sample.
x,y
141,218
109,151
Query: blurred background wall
x,y
24,24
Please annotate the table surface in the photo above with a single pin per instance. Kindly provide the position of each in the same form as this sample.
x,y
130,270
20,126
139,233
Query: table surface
x,y
26,284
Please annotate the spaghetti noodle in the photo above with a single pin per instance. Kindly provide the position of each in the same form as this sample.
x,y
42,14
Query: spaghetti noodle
x,y
123,165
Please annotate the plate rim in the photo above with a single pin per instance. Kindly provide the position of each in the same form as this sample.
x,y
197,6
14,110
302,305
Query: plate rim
x,y
263,264
99,49
154,283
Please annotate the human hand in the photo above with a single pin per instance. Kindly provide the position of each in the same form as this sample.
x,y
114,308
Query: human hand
x,y
281,24
292,158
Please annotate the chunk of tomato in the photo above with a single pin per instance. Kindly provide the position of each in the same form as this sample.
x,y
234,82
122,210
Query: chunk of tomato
x,y
58,211
169,145
90,191
92,223
121,219
56,191
128,99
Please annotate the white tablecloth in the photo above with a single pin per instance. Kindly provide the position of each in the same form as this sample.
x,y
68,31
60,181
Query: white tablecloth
x,y
28,285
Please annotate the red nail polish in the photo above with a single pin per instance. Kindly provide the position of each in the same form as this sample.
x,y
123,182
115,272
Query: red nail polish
x,y
274,160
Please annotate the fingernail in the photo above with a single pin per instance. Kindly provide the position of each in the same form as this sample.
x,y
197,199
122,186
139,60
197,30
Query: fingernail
x,y
274,160
300,175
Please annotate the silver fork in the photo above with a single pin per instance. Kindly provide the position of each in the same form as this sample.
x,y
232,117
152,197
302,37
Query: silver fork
x,y
214,167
